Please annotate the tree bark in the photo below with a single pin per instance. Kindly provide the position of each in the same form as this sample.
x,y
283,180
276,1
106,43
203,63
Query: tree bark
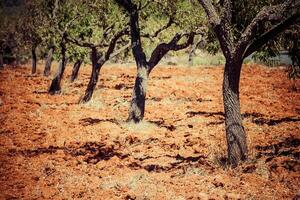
x,y
137,105
96,64
235,133
33,54
55,84
76,70
49,58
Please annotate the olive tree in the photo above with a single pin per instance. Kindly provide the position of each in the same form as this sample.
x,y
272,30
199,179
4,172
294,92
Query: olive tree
x,y
100,28
236,46
144,66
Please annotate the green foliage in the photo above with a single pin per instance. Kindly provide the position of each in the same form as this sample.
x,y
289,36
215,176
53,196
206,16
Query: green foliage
x,y
10,15
185,15
42,23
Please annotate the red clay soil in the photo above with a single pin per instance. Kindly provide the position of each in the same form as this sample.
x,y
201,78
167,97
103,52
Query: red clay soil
x,y
53,148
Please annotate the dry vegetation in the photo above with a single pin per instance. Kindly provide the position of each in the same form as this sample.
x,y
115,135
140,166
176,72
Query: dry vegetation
x,y
53,148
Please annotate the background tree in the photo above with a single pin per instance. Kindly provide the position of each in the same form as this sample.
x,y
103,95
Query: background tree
x,y
50,35
237,43
99,28
63,16
10,38
148,11
77,56
30,27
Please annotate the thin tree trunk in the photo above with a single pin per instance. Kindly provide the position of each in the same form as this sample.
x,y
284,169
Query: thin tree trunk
x,y
49,58
199,44
137,105
1,60
191,56
55,84
94,77
76,70
17,62
33,54
235,133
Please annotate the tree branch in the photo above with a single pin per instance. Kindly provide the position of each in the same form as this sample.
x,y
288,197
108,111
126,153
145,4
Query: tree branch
x,y
126,4
114,40
155,34
267,13
227,10
210,10
162,49
221,26
137,49
79,43
269,35
141,7
119,50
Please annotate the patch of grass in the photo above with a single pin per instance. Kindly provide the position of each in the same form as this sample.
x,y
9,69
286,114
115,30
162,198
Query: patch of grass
x,y
201,58
121,102
96,102
208,59
262,169
69,89
142,127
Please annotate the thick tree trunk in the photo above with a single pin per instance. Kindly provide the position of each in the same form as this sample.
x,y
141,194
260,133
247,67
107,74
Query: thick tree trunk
x,y
33,58
76,70
49,58
235,133
137,105
96,64
55,84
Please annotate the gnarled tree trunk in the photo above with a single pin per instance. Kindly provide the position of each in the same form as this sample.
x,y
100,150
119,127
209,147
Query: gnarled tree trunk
x,y
235,133
48,63
76,70
137,105
96,64
33,58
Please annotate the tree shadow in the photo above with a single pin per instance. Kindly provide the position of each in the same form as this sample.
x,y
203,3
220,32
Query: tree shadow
x,y
91,121
273,122
92,152
161,123
288,147
256,118
181,162
205,114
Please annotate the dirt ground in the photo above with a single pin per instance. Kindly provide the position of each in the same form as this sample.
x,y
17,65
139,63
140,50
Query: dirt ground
x,y
53,148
